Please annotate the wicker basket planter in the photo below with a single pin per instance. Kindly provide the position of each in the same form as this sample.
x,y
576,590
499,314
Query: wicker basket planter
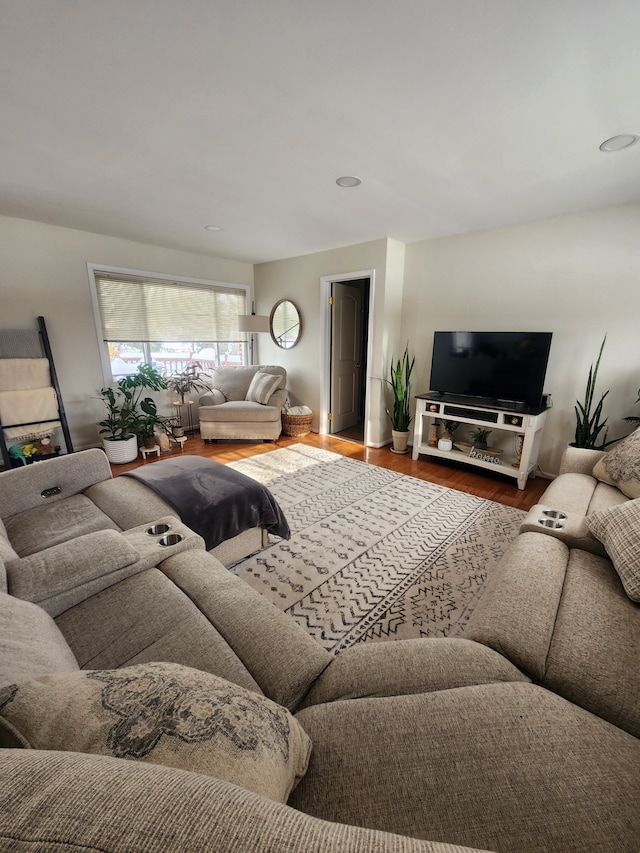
x,y
295,425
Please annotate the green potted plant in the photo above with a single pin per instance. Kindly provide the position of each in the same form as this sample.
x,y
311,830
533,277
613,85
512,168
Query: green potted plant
x,y
183,382
450,428
400,416
588,418
479,437
147,421
126,408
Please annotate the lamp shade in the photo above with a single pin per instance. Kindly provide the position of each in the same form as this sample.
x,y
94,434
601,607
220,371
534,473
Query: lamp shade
x,y
253,323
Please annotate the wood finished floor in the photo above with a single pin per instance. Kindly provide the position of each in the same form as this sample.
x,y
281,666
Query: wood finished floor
x,y
487,485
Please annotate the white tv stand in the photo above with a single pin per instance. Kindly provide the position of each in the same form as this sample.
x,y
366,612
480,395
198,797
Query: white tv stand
x,y
503,423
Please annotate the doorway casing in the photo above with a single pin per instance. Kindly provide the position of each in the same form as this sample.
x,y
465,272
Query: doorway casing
x,y
325,348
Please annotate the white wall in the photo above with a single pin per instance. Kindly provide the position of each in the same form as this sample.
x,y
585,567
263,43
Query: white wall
x,y
298,279
577,276
44,272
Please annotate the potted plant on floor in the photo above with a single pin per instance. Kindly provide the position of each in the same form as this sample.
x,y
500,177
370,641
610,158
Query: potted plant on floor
x,y
588,418
126,408
399,415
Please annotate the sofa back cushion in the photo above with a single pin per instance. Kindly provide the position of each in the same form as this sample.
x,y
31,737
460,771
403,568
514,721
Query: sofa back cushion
x,y
262,387
22,488
46,525
234,382
30,642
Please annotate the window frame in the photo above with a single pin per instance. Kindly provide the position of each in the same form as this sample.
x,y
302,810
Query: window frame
x,y
94,270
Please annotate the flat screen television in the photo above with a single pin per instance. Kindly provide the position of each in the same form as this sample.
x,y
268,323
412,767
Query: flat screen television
x,y
496,368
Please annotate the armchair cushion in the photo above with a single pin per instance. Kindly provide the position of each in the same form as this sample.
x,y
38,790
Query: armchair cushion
x,y
262,387
214,397
165,714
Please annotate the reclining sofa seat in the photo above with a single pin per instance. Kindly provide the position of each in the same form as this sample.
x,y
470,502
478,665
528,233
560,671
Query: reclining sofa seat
x,y
240,406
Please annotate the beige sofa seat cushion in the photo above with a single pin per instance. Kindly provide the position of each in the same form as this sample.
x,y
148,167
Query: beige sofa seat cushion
x,y
131,805
128,502
501,766
580,494
147,618
44,526
409,666
165,714
31,644
593,657
239,411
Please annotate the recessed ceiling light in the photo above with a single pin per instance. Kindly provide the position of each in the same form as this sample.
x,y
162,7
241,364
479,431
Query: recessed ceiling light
x,y
213,228
617,143
348,181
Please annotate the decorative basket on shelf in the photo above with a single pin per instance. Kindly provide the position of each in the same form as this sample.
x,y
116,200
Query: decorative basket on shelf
x,y
295,425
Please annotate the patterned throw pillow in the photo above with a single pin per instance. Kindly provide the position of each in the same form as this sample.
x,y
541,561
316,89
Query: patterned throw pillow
x,y
620,466
162,713
618,528
262,387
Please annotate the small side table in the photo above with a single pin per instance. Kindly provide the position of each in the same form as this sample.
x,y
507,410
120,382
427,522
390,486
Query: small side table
x,y
179,439
147,450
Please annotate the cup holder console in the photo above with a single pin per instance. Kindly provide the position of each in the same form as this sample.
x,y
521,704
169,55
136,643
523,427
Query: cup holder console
x,y
170,539
158,529
553,518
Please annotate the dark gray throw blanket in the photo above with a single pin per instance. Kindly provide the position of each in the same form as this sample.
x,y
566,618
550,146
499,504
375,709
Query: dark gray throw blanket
x,y
216,502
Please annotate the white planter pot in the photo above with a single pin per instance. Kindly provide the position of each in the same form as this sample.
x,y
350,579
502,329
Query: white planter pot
x,y
119,452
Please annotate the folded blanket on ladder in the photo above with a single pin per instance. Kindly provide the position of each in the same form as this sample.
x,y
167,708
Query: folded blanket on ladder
x,y
213,500
30,413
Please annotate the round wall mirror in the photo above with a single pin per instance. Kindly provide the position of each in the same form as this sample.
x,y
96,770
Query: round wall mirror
x,y
285,324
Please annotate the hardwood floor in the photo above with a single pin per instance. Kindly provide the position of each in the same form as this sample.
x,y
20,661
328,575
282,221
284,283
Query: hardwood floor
x,y
488,485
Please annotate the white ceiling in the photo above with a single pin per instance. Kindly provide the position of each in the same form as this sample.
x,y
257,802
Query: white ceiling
x,y
149,119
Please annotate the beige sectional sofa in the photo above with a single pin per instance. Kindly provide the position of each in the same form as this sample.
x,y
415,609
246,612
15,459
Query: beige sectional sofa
x,y
177,709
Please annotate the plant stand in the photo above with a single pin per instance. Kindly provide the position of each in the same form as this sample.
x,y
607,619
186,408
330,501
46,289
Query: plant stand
x,y
145,451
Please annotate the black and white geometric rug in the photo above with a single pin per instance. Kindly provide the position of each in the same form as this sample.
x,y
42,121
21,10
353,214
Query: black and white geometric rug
x,y
373,555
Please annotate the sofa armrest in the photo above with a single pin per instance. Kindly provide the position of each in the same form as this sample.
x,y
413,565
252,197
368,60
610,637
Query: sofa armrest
x,y
517,612
212,398
70,800
51,480
579,460
278,398
65,574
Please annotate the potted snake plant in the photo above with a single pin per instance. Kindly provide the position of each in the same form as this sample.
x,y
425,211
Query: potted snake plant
x,y
399,414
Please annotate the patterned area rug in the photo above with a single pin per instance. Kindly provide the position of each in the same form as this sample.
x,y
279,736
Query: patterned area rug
x,y
374,555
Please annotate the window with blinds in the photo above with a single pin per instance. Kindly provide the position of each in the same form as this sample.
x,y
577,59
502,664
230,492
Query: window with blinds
x,y
169,323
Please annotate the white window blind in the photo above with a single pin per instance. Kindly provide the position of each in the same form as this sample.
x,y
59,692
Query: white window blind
x,y
144,309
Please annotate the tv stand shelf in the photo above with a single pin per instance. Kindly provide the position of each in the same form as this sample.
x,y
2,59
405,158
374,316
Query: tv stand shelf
x,y
529,424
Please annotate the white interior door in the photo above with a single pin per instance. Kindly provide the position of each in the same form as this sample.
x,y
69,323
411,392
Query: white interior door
x,y
346,355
